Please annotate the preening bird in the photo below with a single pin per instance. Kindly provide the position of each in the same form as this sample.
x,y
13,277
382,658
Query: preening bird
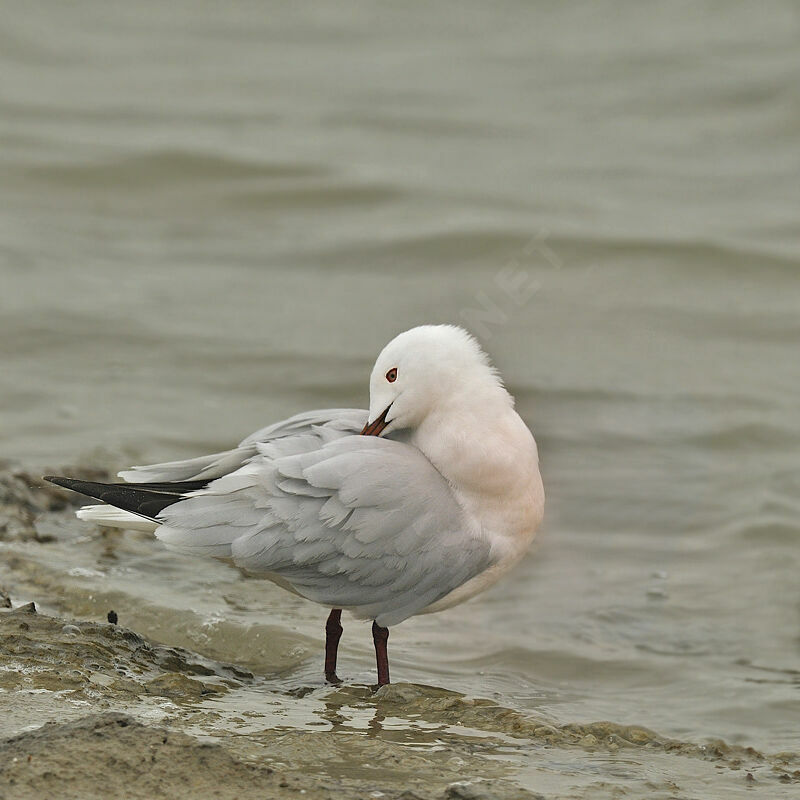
x,y
411,507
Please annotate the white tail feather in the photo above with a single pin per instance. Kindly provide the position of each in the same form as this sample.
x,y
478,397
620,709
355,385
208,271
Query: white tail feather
x,y
113,517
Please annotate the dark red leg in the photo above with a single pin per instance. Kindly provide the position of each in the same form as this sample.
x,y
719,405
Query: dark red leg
x,y
381,636
333,632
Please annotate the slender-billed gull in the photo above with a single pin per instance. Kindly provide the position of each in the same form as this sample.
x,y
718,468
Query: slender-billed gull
x,y
411,507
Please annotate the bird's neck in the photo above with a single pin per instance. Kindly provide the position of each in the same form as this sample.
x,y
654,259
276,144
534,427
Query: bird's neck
x,y
485,451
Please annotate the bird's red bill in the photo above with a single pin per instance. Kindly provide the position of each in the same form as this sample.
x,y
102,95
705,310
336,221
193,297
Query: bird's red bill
x,y
376,428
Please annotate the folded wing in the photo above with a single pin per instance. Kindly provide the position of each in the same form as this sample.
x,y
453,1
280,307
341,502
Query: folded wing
x,y
322,424
355,522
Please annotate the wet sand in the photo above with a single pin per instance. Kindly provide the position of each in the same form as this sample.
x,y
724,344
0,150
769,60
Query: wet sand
x,y
112,755
97,685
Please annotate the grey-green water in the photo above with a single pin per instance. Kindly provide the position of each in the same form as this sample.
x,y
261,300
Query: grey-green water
x,y
212,216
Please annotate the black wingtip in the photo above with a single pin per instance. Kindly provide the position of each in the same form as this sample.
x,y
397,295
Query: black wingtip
x,y
59,481
88,488
146,500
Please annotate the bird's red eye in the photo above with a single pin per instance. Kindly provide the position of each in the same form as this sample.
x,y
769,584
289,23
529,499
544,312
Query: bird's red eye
x,y
391,375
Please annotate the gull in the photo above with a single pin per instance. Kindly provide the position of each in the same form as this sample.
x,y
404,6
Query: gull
x,y
411,507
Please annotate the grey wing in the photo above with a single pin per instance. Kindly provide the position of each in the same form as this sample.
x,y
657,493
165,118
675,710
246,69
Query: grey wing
x,y
362,523
323,424
344,420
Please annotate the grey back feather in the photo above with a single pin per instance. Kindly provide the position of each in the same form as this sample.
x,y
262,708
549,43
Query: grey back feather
x,y
325,422
354,522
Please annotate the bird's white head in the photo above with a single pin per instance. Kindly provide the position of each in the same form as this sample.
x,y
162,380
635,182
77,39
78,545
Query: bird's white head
x,y
427,369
